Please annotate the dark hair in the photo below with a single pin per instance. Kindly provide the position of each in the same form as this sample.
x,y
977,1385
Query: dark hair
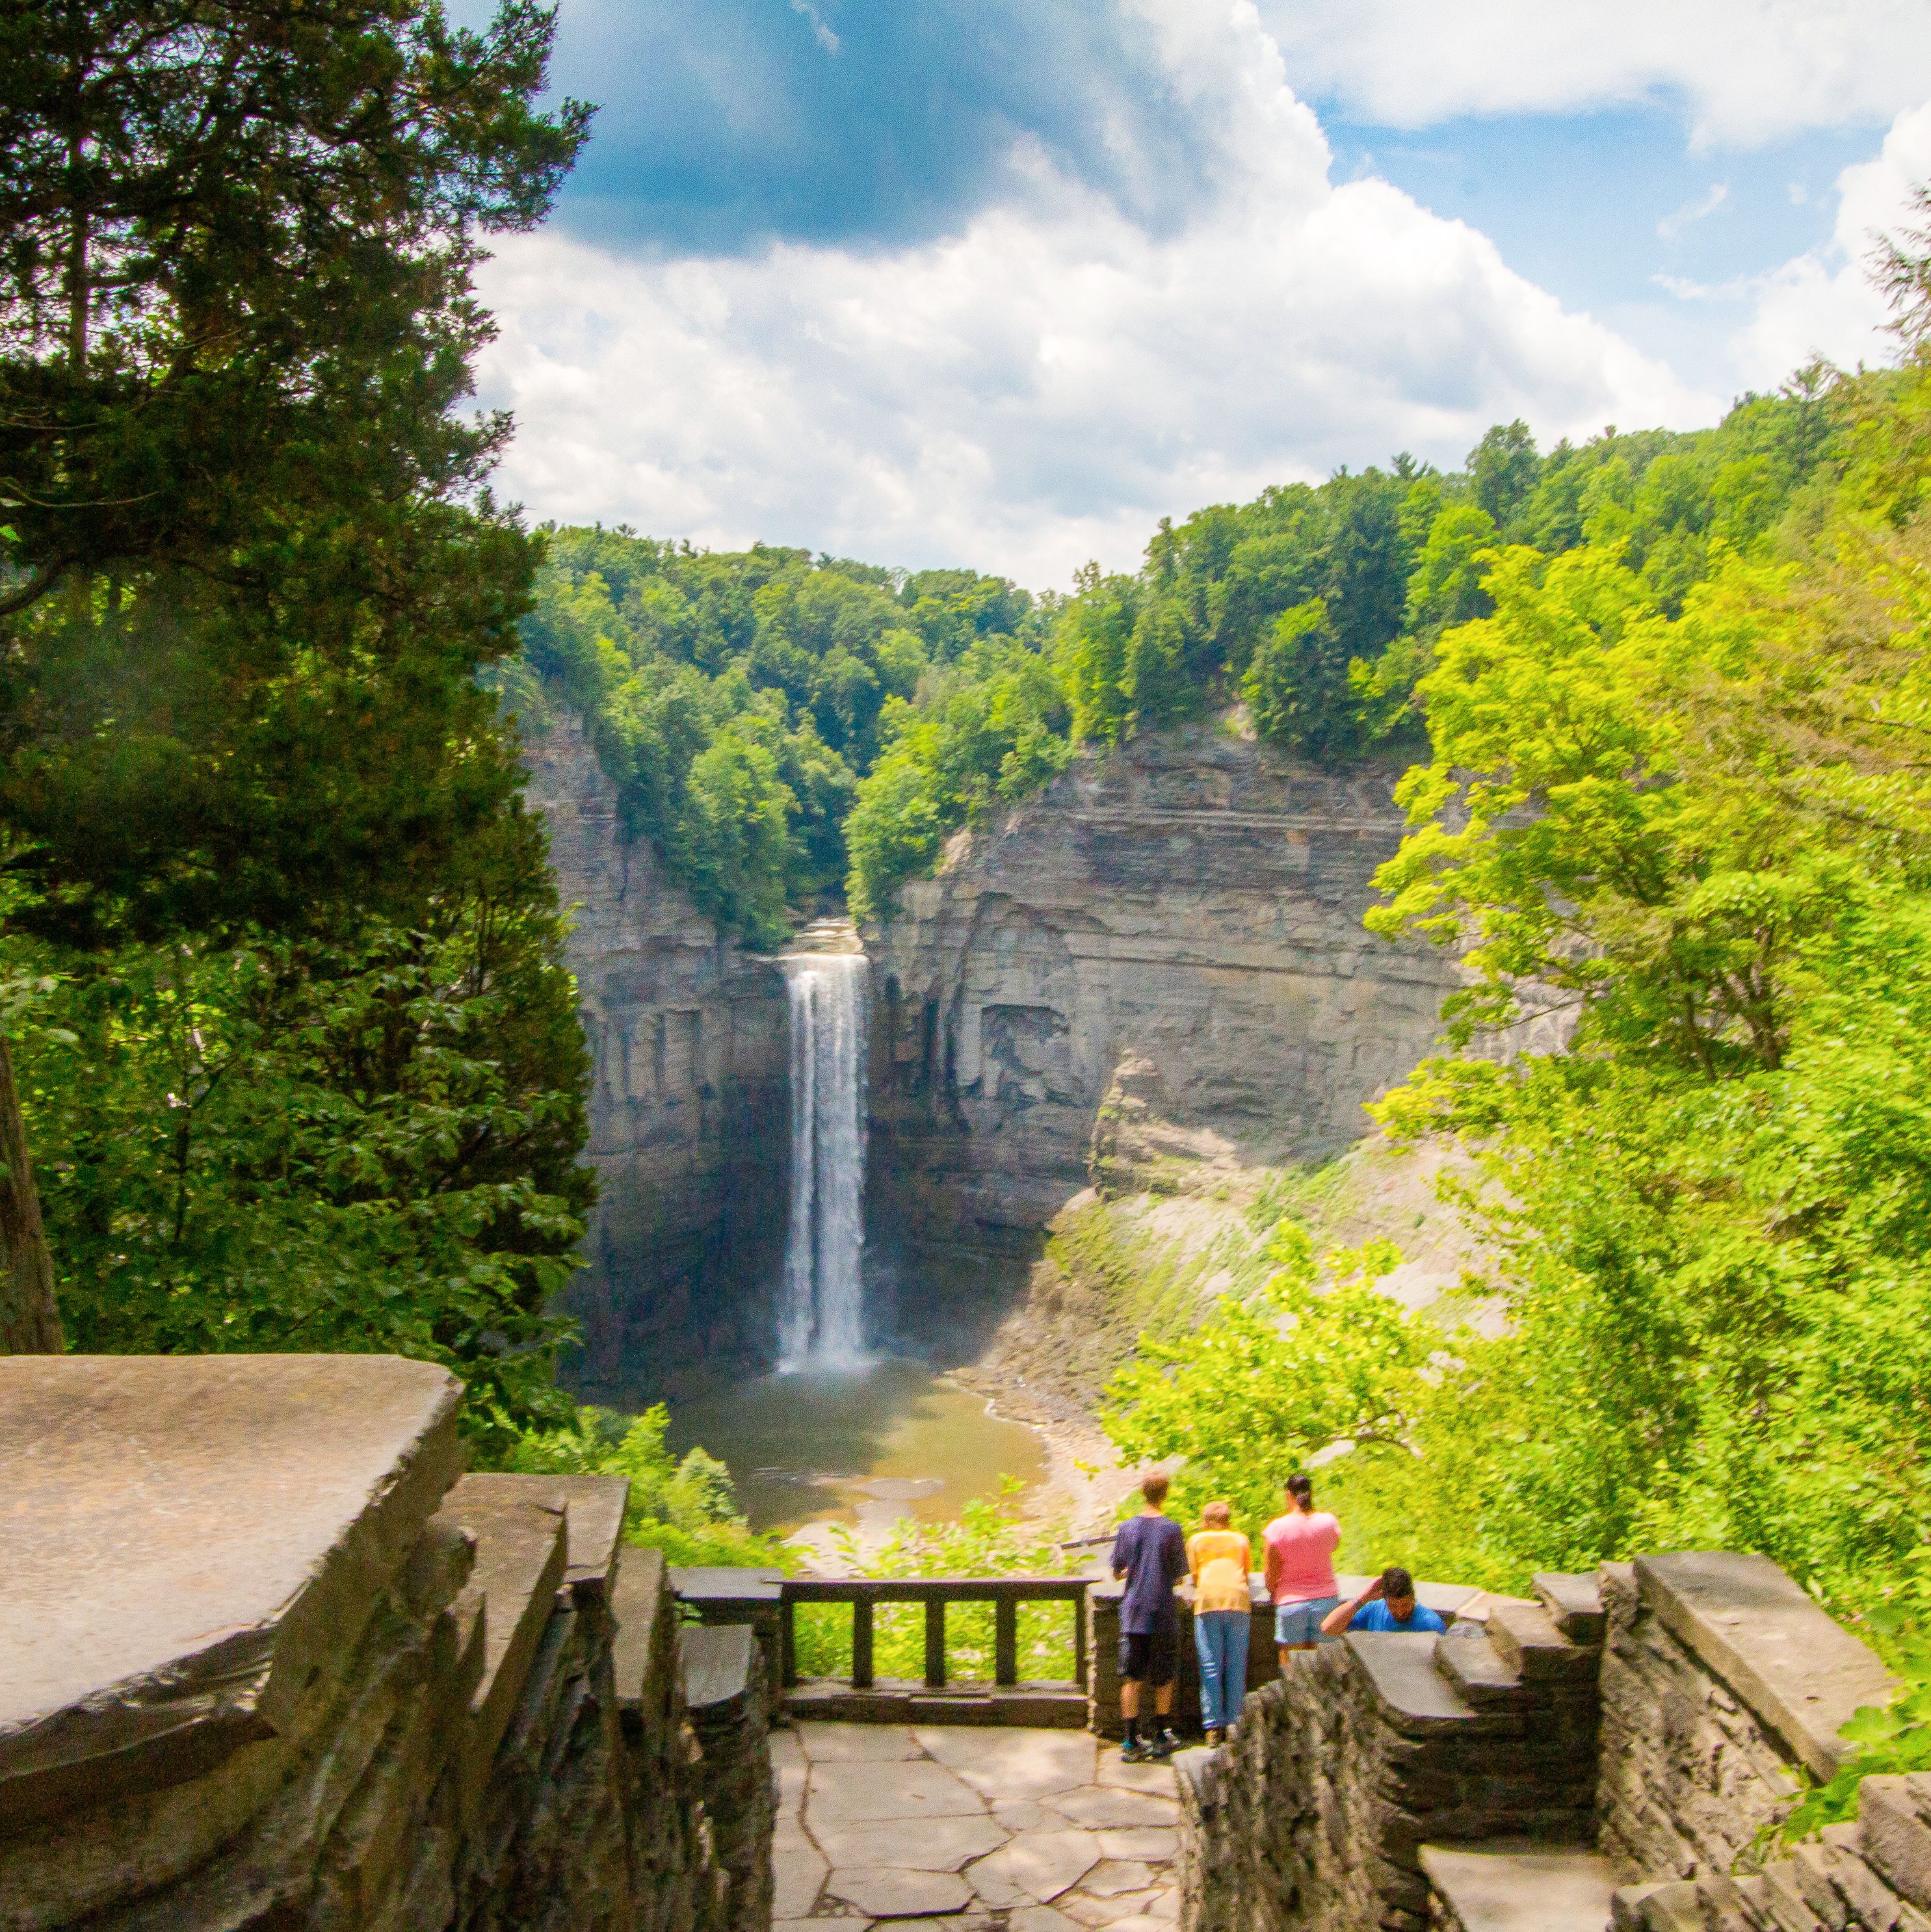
x,y
1396,1582
1154,1488
1301,1488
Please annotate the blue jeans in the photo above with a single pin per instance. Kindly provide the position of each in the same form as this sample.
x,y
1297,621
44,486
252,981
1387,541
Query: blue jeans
x,y
1220,1637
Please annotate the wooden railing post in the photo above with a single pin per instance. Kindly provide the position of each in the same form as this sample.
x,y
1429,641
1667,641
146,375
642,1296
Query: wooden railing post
x,y
861,1643
1005,1641
864,1594
934,1643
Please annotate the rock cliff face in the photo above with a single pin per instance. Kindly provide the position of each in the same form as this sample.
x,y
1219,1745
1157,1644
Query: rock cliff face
x,y
688,1112
1158,963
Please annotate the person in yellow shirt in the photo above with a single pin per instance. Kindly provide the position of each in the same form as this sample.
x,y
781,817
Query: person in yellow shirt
x,y
1220,1559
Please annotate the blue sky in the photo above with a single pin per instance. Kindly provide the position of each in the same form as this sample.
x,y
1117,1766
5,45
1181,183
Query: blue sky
x,y
1002,282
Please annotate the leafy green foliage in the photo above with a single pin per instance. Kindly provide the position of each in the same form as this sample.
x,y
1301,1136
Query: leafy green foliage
x,y
685,1507
736,700
1317,1356
235,332
235,245
300,1059
1675,827
363,1143
988,1538
1320,607
987,730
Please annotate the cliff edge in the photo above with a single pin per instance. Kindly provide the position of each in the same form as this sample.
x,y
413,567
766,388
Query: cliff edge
x,y
1155,970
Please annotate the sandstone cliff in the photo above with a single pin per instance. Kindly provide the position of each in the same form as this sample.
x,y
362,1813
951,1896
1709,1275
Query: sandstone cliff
x,y
1157,967
689,1111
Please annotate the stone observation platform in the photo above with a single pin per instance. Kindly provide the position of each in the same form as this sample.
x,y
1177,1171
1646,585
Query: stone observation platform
x,y
954,1826
272,1663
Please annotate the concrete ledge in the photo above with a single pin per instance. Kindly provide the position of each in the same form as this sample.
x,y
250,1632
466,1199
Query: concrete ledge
x,y
1801,1673
1401,1669
1513,1885
189,1539
521,1542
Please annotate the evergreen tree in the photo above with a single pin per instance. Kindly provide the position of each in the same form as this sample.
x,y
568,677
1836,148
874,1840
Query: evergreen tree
x,y
249,575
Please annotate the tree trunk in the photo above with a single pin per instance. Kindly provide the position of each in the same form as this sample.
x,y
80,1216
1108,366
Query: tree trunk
x,y
29,1316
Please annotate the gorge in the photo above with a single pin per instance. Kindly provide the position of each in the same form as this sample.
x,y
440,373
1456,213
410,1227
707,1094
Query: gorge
x,y
1152,977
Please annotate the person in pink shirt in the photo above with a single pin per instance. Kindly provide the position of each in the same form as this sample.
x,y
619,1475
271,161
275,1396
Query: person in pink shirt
x,y
1300,1572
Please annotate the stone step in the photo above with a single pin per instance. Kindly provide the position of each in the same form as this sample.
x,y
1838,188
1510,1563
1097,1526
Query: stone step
x,y
1516,1885
1024,1706
1574,1603
1472,1665
1527,1640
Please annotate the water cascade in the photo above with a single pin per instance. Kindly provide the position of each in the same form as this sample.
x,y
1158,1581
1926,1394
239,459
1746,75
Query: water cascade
x,y
821,1319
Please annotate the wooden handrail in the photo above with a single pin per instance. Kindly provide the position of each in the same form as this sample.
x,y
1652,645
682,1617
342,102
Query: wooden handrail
x,y
1005,1594
945,1589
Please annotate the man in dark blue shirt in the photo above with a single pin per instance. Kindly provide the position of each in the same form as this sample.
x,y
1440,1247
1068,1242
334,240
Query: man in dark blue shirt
x,y
1151,1553
1388,1603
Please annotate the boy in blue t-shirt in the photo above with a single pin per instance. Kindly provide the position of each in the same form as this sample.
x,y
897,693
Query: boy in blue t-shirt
x,y
1388,1603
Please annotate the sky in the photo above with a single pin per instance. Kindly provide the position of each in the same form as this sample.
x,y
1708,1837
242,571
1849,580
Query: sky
x,y
1001,282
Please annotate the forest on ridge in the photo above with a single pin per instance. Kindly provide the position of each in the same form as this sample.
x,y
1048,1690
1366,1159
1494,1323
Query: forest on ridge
x,y
783,728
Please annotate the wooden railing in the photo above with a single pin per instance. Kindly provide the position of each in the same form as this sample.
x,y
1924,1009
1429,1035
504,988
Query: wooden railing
x,y
864,1593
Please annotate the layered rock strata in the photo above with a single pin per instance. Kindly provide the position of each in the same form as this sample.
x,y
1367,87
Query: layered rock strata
x,y
1157,965
262,1670
689,1108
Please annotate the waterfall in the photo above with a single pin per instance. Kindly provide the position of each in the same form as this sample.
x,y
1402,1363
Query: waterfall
x,y
821,1323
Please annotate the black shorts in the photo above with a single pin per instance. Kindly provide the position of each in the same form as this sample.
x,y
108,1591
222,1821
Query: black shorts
x,y
1146,1656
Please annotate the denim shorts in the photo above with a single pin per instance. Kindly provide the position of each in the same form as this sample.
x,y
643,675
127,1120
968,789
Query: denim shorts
x,y
1301,1623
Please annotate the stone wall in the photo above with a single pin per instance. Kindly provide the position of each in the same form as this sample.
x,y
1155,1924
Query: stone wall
x,y
1871,1876
688,1112
723,1675
1623,1749
271,1663
1158,962
1722,1684
1315,1813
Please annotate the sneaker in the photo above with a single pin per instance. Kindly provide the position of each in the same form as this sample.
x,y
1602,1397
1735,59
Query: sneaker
x,y
1166,1744
1139,1752
1215,1736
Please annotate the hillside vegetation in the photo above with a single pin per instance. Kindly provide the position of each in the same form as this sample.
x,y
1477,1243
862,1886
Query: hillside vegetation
x,y
736,700
780,729
1691,809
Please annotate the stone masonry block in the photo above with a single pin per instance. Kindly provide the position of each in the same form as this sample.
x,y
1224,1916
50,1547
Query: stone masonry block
x,y
154,1628
1574,1603
1895,1840
1758,1634
1526,1640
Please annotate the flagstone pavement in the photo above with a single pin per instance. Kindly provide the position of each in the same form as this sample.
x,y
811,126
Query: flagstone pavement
x,y
969,1828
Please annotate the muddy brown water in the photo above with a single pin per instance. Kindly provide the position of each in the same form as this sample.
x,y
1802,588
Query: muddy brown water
x,y
819,1448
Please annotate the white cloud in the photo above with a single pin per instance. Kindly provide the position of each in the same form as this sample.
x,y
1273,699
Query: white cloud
x,y
1823,302
1671,225
1750,70
1041,387
820,28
